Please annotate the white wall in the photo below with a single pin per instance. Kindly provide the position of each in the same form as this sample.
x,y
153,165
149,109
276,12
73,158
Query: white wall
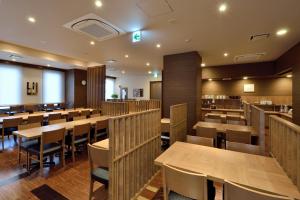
x,y
133,81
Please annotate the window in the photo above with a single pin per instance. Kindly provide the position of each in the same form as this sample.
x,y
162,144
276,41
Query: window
x,y
109,87
10,85
53,86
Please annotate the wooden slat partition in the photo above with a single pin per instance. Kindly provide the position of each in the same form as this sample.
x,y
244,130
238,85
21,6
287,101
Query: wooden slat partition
x,y
247,112
258,123
143,105
285,146
178,123
134,143
114,108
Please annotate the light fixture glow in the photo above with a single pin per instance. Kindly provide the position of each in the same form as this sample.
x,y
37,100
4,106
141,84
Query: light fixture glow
x,y
203,65
48,65
289,76
155,75
123,72
148,64
98,3
210,79
92,43
158,45
226,54
13,59
149,72
245,78
31,19
223,7
126,56
281,32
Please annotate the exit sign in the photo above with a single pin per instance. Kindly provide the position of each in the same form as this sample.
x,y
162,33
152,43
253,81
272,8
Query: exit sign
x,y
136,36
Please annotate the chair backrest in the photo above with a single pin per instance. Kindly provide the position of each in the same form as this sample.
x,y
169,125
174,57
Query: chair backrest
x,y
79,118
54,116
11,123
238,136
206,132
85,113
72,114
53,136
233,113
200,140
216,112
95,112
95,115
233,191
244,148
21,113
188,184
233,119
216,118
101,125
35,119
98,157
28,126
58,121
81,129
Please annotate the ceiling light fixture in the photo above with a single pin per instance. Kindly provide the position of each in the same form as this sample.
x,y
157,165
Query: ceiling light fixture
x,y
203,65
98,3
210,79
223,7
149,72
48,65
31,19
14,59
281,32
245,78
123,72
126,56
158,45
289,76
148,64
92,43
155,75
226,54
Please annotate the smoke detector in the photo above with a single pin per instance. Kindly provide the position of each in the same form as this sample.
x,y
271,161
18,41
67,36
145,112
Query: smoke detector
x,y
94,27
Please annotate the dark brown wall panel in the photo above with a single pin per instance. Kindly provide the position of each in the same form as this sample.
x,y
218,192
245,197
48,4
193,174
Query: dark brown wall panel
x,y
180,83
289,59
70,88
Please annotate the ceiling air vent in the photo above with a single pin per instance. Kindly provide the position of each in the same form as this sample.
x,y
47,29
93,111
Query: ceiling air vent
x,y
259,37
248,57
95,27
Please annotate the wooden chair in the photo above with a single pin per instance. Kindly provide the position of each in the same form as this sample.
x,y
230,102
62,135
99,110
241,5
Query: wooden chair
x,y
79,118
238,136
25,144
85,113
95,112
216,112
200,140
54,116
51,143
35,119
233,191
233,119
58,121
207,133
99,163
233,113
101,129
81,135
213,118
8,126
72,114
244,148
95,115
183,184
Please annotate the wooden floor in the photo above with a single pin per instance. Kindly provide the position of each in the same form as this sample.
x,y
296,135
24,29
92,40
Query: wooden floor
x,y
72,181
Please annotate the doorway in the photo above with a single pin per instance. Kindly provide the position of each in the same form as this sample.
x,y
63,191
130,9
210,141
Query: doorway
x,y
155,89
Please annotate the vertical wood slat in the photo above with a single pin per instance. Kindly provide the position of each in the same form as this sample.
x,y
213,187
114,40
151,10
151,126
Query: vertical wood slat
x,y
258,123
134,144
285,146
114,108
178,123
143,105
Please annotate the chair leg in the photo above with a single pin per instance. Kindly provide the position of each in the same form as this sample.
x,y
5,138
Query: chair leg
x,y
19,149
73,153
91,188
63,156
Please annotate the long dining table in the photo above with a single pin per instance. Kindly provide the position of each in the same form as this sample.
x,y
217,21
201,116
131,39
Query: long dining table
x,y
260,172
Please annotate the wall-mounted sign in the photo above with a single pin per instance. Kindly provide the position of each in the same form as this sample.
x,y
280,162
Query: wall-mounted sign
x,y
249,88
32,88
136,36
138,92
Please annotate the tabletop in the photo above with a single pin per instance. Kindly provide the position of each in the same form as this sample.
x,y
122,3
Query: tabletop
x,y
104,144
219,165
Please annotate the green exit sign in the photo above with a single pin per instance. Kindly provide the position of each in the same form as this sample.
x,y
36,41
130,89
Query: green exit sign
x,y
136,36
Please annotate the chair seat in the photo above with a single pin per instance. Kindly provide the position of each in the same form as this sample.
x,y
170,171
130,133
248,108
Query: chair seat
x,y
101,175
176,196
27,144
48,148
81,140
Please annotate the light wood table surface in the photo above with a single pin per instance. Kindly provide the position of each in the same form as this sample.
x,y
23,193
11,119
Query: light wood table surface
x,y
218,164
45,114
224,110
223,127
104,144
37,132
224,116
165,125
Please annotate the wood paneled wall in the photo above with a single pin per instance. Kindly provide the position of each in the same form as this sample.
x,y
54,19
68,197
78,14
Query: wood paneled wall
x,y
258,123
76,93
285,146
181,83
95,86
134,143
178,123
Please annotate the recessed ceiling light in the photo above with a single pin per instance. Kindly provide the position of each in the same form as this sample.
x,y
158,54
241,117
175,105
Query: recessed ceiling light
x,y
158,45
203,65
31,19
123,72
13,59
92,43
48,65
98,3
155,75
210,79
126,56
289,76
223,7
226,54
148,64
187,40
149,72
245,78
281,32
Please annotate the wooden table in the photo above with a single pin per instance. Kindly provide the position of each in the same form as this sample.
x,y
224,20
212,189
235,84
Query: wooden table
x,y
165,125
104,144
224,116
219,165
223,110
45,114
223,127
37,132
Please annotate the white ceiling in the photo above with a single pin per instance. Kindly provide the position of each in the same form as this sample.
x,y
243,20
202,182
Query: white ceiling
x,y
210,32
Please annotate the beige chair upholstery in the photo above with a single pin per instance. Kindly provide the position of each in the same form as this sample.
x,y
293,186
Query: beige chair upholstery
x,y
9,124
79,118
99,163
238,136
187,184
216,118
244,148
58,121
200,140
95,115
35,119
233,191
81,134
